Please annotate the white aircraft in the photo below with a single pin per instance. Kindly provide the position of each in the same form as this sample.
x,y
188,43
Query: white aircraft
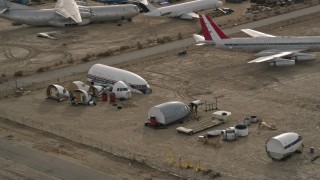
x,y
276,50
182,10
66,13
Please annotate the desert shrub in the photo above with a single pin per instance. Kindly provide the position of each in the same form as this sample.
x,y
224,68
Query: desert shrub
x,y
42,69
124,47
167,38
139,45
85,59
160,40
103,54
70,61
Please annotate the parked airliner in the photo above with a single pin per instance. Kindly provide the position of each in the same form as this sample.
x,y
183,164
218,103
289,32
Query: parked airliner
x,y
66,12
277,50
183,10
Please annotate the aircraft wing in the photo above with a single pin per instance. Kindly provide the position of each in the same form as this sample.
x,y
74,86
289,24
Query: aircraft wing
x,y
45,35
199,39
272,57
254,33
2,10
68,9
189,15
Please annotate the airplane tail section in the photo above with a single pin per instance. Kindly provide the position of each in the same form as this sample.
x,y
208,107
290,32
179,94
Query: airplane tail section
x,y
211,31
146,6
3,6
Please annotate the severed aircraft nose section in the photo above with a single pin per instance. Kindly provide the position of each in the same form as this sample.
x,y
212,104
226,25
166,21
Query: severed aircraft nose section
x,y
136,9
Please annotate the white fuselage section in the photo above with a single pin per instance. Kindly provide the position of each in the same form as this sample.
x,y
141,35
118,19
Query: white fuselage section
x,y
266,43
93,14
179,9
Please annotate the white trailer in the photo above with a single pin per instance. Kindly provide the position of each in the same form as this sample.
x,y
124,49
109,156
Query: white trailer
x,y
283,145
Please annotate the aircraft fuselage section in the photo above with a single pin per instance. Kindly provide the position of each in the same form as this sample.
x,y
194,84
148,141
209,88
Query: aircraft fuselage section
x,y
113,13
48,17
260,44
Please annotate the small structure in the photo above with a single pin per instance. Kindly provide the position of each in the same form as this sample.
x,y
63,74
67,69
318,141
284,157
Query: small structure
x,y
283,145
57,92
221,115
167,113
80,96
121,90
78,85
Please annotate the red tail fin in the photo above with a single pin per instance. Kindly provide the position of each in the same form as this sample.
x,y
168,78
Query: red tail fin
x,y
210,30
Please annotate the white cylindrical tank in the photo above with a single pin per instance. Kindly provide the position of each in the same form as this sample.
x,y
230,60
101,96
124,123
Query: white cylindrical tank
x,y
283,145
229,134
242,130
253,119
169,112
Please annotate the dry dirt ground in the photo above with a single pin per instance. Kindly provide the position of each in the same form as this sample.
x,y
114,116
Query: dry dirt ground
x,y
22,50
286,96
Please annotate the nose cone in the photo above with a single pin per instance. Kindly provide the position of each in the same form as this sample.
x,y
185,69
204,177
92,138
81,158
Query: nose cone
x,y
136,9
219,4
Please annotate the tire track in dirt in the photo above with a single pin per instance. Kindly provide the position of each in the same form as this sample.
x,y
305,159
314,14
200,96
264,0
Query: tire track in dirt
x,y
180,91
31,53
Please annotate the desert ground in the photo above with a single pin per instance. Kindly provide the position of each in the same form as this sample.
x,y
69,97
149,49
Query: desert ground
x,y
285,96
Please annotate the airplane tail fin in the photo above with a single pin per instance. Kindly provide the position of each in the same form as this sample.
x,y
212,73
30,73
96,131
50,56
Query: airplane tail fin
x,y
146,6
210,30
3,6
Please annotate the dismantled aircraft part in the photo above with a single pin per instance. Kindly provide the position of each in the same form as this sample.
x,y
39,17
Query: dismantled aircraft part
x,y
107,76
167,113
121,90
57,92
283,145
80,96
221,115
46,35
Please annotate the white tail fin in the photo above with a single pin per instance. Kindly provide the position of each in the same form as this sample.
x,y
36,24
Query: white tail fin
x,y
210,30
68,9
146,6
3,6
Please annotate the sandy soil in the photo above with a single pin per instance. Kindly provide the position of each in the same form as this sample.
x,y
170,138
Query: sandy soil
x,y
22,50
284,96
